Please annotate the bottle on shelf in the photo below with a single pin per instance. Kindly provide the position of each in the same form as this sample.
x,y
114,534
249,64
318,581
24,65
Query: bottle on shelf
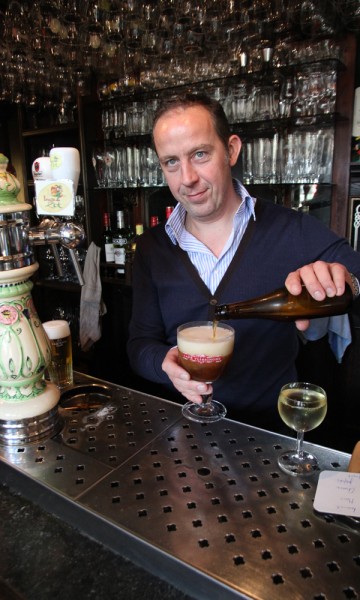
x,y
168,211
120,239
154,220
107,240
130,233
355,134
130,252
139,230
280,305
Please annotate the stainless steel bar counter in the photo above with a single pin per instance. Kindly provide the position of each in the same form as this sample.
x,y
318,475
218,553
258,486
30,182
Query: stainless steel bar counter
x,y
204,507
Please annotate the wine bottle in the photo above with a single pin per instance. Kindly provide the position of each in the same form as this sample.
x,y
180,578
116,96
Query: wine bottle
x,y
120,241
168,211
130,252
139,230
107,240
154,220
280,305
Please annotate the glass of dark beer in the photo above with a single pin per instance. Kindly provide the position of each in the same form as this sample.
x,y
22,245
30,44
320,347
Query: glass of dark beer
x,y
204,349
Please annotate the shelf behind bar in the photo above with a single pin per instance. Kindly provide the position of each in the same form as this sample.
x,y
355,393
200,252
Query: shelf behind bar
x,y
57,284
49,130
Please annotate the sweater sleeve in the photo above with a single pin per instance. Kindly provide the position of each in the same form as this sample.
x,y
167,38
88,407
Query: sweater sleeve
x,y
147,345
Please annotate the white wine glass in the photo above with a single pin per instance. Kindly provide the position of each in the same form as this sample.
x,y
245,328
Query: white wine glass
x,y
204,349
302,406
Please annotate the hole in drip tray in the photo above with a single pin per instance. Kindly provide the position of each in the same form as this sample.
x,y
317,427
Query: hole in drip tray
x,y
333,566
350,593
306,573
255,533
277,578
204,471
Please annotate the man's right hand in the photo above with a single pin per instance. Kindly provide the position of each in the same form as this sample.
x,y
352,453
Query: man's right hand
x,y
180,378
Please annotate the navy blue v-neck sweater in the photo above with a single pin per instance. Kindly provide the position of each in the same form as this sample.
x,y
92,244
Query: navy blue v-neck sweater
x,y
167,291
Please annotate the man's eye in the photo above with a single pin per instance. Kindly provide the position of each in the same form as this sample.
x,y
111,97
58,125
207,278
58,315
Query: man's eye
x,y
171,162
200,154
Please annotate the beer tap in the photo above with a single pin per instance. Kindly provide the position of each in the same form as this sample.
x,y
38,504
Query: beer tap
x,y
52,231
28,402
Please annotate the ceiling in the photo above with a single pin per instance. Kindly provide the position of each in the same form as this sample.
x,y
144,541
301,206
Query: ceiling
x,y
52,50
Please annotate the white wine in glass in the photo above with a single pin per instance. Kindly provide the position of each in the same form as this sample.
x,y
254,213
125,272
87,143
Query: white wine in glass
x,y
302,406
204,351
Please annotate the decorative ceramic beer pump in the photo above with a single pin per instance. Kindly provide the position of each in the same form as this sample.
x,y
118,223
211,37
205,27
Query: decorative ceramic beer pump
x,y
28,404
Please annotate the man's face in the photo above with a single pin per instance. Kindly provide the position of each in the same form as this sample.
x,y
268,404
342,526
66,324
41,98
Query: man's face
x,y
196,164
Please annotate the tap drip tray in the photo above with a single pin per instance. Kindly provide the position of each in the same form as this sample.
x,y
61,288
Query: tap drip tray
x,y
85,397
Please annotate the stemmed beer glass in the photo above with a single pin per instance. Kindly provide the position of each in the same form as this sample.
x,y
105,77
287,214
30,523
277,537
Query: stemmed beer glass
x,y
205,348
302,406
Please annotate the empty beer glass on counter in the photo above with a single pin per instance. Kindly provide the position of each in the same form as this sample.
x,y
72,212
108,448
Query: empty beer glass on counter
x,y
60,368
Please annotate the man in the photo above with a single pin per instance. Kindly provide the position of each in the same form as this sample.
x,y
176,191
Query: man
x,y
220,245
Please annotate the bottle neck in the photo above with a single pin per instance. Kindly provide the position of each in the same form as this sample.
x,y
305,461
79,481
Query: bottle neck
x,y
106,220
120,220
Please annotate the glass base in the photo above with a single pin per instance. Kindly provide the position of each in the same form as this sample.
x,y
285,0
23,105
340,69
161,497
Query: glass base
x,y
296,465
204,413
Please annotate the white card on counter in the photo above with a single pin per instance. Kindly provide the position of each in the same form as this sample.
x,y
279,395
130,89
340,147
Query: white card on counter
x,y
338,492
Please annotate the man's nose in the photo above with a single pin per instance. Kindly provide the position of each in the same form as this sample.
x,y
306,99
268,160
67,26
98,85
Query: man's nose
x,y
188,173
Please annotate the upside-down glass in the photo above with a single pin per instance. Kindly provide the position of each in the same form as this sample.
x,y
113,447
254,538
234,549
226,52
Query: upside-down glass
x,y
204,351
302,406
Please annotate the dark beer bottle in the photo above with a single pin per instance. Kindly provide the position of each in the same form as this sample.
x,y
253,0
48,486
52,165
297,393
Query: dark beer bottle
x,y
280,305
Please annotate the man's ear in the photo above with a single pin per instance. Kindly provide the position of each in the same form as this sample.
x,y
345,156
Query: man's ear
x,y
234,147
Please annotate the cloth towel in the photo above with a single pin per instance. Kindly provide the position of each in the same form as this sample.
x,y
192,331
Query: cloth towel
x,y
92,307
338,330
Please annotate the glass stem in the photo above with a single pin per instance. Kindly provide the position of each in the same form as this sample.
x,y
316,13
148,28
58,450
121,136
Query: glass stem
x,y
206,398
299,443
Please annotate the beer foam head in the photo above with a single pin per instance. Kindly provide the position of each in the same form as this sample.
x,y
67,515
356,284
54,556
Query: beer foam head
x,y
199,339
56,329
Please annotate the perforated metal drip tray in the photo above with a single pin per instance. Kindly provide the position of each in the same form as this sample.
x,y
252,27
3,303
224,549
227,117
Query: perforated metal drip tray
x,y
204,506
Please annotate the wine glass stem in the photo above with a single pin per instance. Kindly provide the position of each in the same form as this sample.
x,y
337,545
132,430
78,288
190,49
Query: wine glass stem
x,y
299,443
206,398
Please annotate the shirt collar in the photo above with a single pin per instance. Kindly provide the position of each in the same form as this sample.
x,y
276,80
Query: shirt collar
x,y
175,224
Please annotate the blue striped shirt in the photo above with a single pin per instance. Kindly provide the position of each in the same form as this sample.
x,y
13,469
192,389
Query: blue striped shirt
x,y
211,268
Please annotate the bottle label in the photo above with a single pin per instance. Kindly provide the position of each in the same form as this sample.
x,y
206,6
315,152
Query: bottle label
x,y
119,255
109,253
356,113
121,241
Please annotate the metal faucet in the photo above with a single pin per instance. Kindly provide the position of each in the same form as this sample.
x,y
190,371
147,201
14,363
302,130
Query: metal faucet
x,y
52,231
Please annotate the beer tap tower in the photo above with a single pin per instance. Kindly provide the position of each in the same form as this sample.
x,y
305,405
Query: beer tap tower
x,y
28,403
